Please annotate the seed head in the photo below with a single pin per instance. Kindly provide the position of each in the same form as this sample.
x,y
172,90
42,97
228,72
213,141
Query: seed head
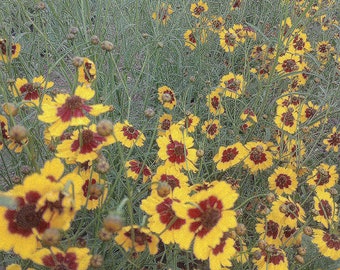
x,y
10,109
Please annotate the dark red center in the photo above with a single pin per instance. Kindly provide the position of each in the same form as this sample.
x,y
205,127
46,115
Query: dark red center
x,y
198,10
287,118
139,237
176,152
130,132
229,154
165,124
332,241
289,65
325,209
272,229
257,156
283,181
212,129
59,261
171,180
167,215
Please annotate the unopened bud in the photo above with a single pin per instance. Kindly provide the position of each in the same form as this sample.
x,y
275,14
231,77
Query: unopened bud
x,y
192,79
200,153
18,133
299,259
308,230
107,46
257,255
166,97
283,208
149,113
333,191
78,61
302,251
51,237
104,235
103,166
26,170
113,222
41,6
104,127
95,40
10,109
163,189
270,197
70,36
81,242
95,191
97,261
160,44
262,244
73,30
241,229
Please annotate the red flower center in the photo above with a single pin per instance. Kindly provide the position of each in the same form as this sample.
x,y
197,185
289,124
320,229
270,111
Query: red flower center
x,y
287,118
257,155
192,38
165,124
140,237
198,10
216,24
30,90
212,129
283,181
322,177
88,76
229,39
289,65
310,112
130,132
229,154
292,210
272,229
275,257
220,247
88,142
73,107
288,231
167,215
61,262
171,180
3,130
298,43
325,209
332,241
334,139
233,85
4,49
176,152
85,189
215,102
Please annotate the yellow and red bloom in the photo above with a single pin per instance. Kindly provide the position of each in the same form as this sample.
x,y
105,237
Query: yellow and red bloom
x,y
248,113
216,24
232,85
222,253
87,71
228,39
174,178
259,158
197,9
30,91
240,32
323,177
165,122
190,39
283,180
214,102
189,123
136,168
209,216
276,259
83,145
332,141
4,130
163,13
286,212
128,135
286,119
167,97
270,231
73,259
288,64
327,211
8,51
230,156
308,112
163,219
327,243
299,44
176,149
211,128
137,238
66,110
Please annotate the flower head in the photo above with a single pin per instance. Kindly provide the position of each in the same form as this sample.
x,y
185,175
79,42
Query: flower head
x,y
283,180
167,97
86,71
128,135
327,243
197,9
8,51
333,140
230,156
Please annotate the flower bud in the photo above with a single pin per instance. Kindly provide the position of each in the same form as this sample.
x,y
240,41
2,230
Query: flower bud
x,y
97,261
308,230
73,30
270,197
18,133
113,222
10,109
200,153
41,6
302,251
51,237
257,255
299,259
166,97
104,127
104,235
107,46
149,113
94,40
241,229
262,244
78,61
163,189
70,36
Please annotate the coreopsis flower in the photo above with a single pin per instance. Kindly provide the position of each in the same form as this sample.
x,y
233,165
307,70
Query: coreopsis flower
x,y
197,9
174,178
290,99
32,91
66,110
286,119
73,258
323,50
165,122
222,253
323,177
228,39
162,14
216,24
163,220
273,259
269,230
22,226
283,180
232,85
241,255
176,149
259,52
327,22
4,130
93,190
332,141
8,51
327,210
128,135
211,128
136,168
240,32
291,236
83,145
262,70
288,64
248,113
308,112
214,102
327,243
286,24
259,158
235,4
189,123
250,32
209,216
286,212
87,71
190,39
167,97
298,43
137,238
230,156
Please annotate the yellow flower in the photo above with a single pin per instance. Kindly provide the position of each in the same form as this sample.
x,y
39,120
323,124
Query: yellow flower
x,y
240,32
176,149
165,122
323,177
248,113
283,180
167,97
230,156
128,135
190,39
189,123
66,110
259,157
54,258
137,238
136,168
174,178
232,85
211,128
269,230
298,43
214,102
163,13
228,39
276,259
87,71
209,216
197,9
288,64
286,119
5,55
216,24
327,243
326,208
222,253
332,141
